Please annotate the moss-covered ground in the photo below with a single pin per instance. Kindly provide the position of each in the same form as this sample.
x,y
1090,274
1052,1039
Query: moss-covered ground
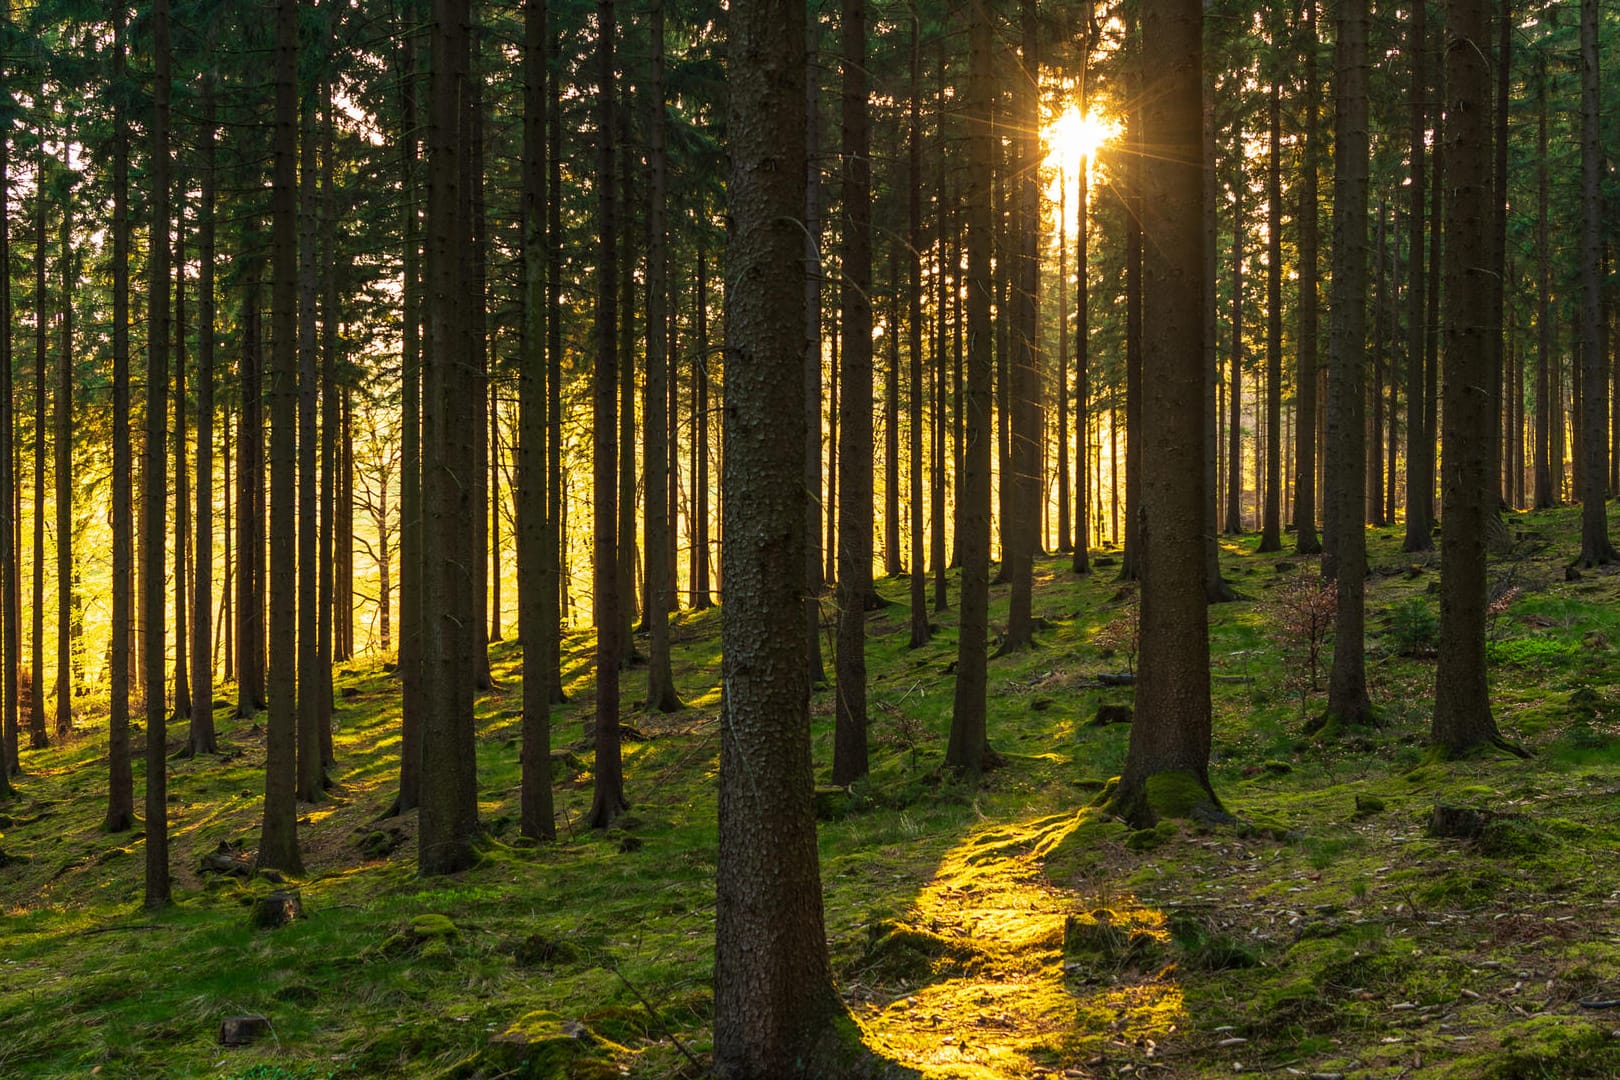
x,y
1009,930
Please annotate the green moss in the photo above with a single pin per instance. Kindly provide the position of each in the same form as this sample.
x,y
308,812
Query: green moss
x,y
1543,1048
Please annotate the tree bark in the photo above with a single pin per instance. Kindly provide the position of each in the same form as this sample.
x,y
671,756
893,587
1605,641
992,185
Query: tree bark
x,y
854,407
1271,526
920,630
607,798
1596,549
1306,541
1170,740
1419,451
968,750
202,739
154,489
1348,703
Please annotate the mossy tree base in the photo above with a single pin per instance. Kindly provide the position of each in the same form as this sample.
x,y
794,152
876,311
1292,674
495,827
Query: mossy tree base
x,y
1171,794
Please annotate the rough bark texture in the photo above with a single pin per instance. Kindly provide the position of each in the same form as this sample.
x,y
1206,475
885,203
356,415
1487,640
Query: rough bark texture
x,y
854,407
1348,703
410,478
1462,710
278,842
1419,451
202,739
774,1000
153,487
607,800
1271,526
120,781
661,693
1167,770
1596,549
536,815
1306,541
968,747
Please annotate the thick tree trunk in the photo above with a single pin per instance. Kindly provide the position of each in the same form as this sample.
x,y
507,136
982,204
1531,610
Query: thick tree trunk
x,y
451,383
776,1013
1170,741
1545,408
1348,703
1462,710
813,282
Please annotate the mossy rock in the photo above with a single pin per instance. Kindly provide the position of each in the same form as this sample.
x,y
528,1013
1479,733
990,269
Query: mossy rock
x,y
537,950
543,1046
429,937
1510,836
1367,806
900,952
1150,839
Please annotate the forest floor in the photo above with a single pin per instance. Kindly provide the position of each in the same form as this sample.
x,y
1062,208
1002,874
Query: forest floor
x,y
1006,931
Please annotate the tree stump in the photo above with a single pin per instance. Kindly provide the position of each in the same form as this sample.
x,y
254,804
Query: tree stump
x,y
276,909
1111,714
242,1030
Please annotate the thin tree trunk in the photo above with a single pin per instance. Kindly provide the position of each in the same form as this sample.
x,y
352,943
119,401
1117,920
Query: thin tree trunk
x,y
1306,541
154,490
920,630
311,760
182,492
1234,361
1271,526
202,738
66,595
120,797
1419,452
38,739
855,407
607,800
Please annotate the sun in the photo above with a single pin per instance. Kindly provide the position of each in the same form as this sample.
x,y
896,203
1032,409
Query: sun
x,y
1072,136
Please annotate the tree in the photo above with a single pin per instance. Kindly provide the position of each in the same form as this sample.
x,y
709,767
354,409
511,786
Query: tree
x,y
920,630
1305,370
1596,549
311,764
278,841
1167,768
854,406
1419,450
153,485
775,1010
536,815
607,800
63,439
202,738
968,751
1271,527
1346,560
449,807
655,432
10,760
1462,710
120,780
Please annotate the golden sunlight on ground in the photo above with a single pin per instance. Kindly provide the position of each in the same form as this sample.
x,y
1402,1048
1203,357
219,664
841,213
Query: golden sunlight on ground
x,y
1002,1002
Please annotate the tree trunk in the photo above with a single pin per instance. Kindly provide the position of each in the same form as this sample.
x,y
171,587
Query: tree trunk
x,y
774,1002
661,693
1271,526
920,630
1462,710
607,799
1170,741
1419,451
1596,549
1544,498
38,739
1131,203
120,784
63,439
1306,541
311,761
855,407
968,750
154,490
699,570
813,282
537,816
202,738
331,437
182,493
553,562
451,386
1348,703
278,843
1234,359
1375,423
412,699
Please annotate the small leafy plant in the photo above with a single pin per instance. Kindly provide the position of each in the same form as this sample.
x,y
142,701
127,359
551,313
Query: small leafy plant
x,y
1301,615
